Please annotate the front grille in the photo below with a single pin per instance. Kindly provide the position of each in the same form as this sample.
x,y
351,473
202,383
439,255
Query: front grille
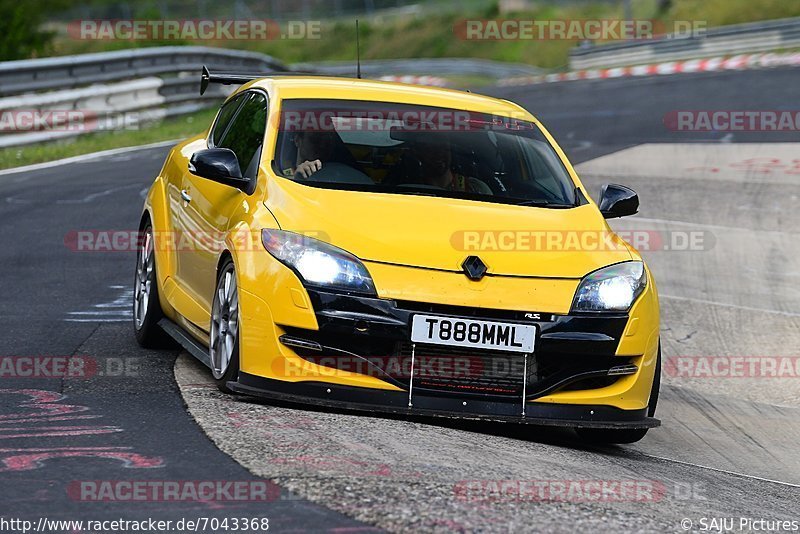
x,y
480,372
462,370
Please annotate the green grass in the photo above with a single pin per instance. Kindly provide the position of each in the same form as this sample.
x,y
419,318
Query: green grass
x,y
173,128
431,34
725,12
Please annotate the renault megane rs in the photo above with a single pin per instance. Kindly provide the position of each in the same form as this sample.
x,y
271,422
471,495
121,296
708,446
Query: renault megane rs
x,y
392,248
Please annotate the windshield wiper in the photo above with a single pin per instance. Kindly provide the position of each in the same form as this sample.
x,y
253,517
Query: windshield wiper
x,y
433,191
543,204
414,192
421,190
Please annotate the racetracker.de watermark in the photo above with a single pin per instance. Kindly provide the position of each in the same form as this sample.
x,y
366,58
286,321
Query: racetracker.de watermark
x,y
75,367
722,367
193,29
183,241
738,120
66,120
173,491
398,121
575,29
483,491
425,366
581,240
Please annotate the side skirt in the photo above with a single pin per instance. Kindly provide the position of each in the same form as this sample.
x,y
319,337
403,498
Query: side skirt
x,y
186,341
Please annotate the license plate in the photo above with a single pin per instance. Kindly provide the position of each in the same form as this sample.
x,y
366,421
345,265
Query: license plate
x,y
487,335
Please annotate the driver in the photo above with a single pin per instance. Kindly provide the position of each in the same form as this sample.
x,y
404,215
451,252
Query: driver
x,y
436,169
312,149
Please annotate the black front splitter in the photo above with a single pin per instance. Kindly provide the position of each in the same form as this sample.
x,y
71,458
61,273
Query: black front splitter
x,y
377,401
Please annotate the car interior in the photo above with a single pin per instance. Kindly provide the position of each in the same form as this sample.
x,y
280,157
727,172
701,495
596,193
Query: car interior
x,y
516,164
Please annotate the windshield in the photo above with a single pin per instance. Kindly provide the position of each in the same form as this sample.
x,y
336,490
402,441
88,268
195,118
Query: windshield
x,y
419,150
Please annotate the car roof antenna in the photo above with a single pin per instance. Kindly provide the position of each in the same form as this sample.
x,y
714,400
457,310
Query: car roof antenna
x,y
358,54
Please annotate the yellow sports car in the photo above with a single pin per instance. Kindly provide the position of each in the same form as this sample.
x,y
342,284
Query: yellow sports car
x,y
393,248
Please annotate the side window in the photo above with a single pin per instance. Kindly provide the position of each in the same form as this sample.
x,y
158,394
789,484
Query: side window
x,y
223,118
246,133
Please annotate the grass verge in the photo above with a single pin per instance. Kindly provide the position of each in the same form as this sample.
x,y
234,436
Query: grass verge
x,y
172,128
429,33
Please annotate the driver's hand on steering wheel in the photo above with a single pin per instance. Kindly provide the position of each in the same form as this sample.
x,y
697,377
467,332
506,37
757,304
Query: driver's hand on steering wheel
x,y
307,168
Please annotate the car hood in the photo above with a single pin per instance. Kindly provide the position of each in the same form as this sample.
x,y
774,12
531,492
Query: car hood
x,y
440,233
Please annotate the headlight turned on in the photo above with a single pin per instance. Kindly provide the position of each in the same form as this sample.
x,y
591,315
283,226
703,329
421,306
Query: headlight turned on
x,y
318,263
612,288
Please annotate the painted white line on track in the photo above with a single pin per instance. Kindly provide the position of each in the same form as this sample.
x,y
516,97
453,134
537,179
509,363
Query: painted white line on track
x,y
734,180
98,320
725,471
87,157
93,196
726,305
706,225
115,311
104,312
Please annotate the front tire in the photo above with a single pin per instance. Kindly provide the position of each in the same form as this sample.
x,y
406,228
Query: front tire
x,y
146,305
609,436
224,340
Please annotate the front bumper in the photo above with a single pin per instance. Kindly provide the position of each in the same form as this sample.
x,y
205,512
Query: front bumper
x,y
396,402
573,353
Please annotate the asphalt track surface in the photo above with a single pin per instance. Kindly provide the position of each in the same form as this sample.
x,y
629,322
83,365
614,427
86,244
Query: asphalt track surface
x,y
728,448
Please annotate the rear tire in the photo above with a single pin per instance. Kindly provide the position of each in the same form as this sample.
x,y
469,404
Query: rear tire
x,y
146,305
608,436
224,339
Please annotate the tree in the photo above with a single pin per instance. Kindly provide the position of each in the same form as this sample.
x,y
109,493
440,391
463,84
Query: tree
x,y
21,36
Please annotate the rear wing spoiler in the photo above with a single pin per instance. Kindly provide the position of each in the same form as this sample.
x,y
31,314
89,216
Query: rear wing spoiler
x,y
232,78
225,78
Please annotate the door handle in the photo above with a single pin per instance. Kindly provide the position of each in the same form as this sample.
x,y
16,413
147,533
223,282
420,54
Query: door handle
x,y
186,196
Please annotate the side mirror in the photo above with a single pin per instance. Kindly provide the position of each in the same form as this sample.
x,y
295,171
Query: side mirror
x,y
618,201
219,165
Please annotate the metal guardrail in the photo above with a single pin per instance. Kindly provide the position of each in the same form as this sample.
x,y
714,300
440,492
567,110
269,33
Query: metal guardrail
x,y
72,71
726,40
432,66
153,82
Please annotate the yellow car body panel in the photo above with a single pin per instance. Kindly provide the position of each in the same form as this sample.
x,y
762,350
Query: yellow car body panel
x,y
440,235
